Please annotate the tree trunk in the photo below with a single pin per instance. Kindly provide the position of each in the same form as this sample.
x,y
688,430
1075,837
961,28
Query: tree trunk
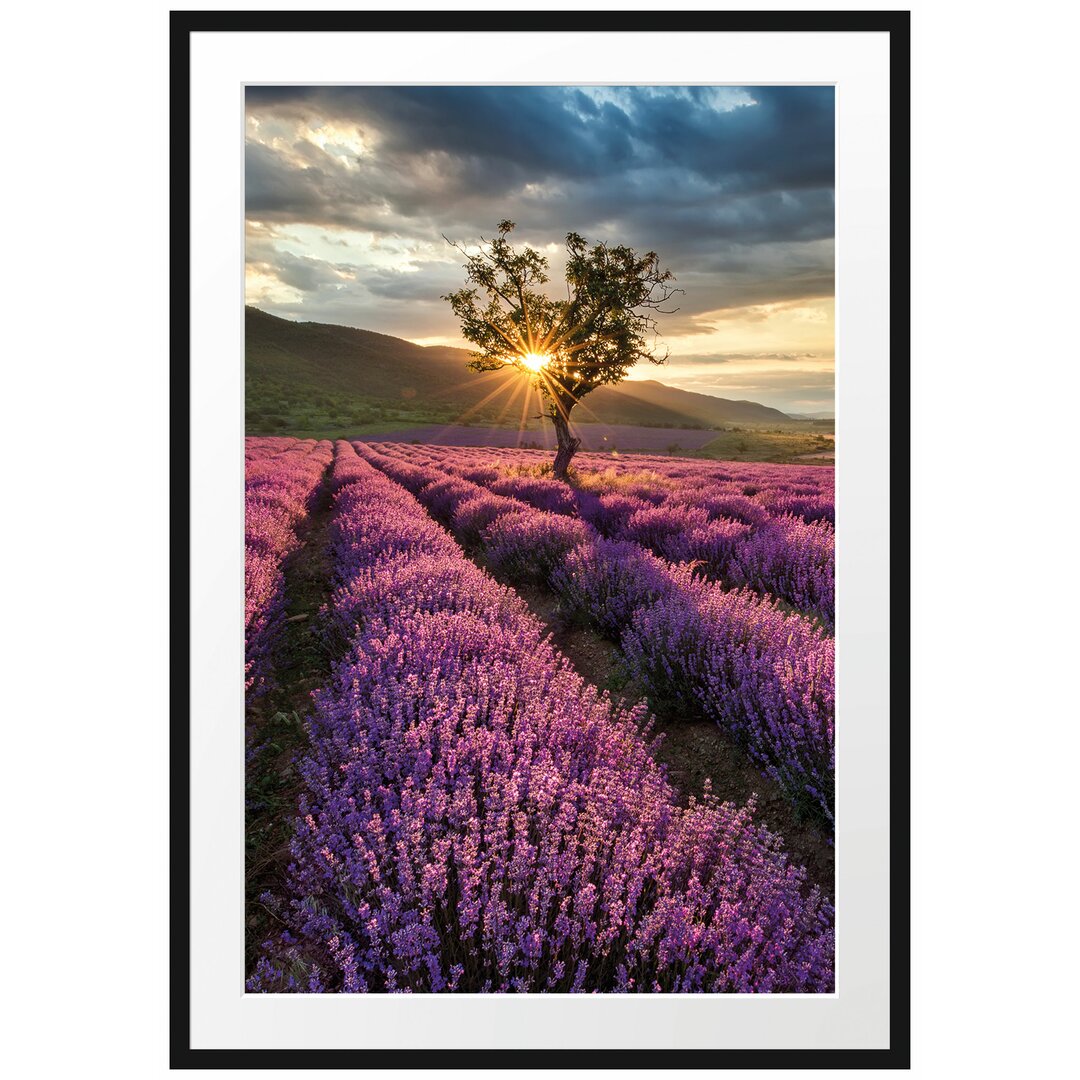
x,y
568,444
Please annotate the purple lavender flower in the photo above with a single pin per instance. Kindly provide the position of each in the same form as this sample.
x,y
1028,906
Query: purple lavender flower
x,y
478,818
282,478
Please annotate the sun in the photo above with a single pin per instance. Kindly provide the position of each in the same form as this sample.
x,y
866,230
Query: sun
x,y
535,361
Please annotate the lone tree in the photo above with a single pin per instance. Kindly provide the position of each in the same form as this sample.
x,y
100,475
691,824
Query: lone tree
x,y
568,347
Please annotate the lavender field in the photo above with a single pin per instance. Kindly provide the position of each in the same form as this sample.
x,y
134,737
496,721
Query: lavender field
x,y
594,437
464,679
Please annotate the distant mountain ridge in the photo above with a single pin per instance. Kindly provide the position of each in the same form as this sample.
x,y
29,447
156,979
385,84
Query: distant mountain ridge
x,y
317,361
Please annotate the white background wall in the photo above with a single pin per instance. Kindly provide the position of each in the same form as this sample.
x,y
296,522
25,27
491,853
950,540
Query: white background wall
x,y
84,604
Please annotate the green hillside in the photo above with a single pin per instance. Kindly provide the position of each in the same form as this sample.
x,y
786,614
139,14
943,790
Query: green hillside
x,y
654,403
305,378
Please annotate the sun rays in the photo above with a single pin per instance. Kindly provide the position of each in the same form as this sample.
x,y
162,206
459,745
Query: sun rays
x,y
551,351
554,379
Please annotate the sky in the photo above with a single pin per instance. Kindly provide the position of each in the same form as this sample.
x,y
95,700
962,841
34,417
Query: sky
x,y
351,190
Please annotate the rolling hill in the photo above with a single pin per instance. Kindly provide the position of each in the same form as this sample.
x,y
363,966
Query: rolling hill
x,y
298,372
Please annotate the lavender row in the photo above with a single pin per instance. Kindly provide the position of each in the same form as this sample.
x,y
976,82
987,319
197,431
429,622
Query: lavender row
x,y
761,490
714,490
727,535
477,818
756,477
282,477
701,651
785,557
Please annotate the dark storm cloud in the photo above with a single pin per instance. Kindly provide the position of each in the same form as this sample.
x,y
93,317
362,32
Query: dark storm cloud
x,y
783,142
660,161
521,131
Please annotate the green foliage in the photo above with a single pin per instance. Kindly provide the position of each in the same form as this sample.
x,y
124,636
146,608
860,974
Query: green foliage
x,y
592,337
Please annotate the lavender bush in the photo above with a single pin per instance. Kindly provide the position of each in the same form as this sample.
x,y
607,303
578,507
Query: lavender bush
x,y
794,560
766,677
603,583
528,545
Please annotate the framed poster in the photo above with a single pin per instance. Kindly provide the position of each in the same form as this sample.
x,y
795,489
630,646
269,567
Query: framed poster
x,y
539,468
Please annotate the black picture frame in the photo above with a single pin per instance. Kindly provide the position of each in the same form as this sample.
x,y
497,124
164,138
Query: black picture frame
x,y
894,23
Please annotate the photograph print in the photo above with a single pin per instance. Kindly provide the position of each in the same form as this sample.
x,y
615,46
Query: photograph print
x,y
539,539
